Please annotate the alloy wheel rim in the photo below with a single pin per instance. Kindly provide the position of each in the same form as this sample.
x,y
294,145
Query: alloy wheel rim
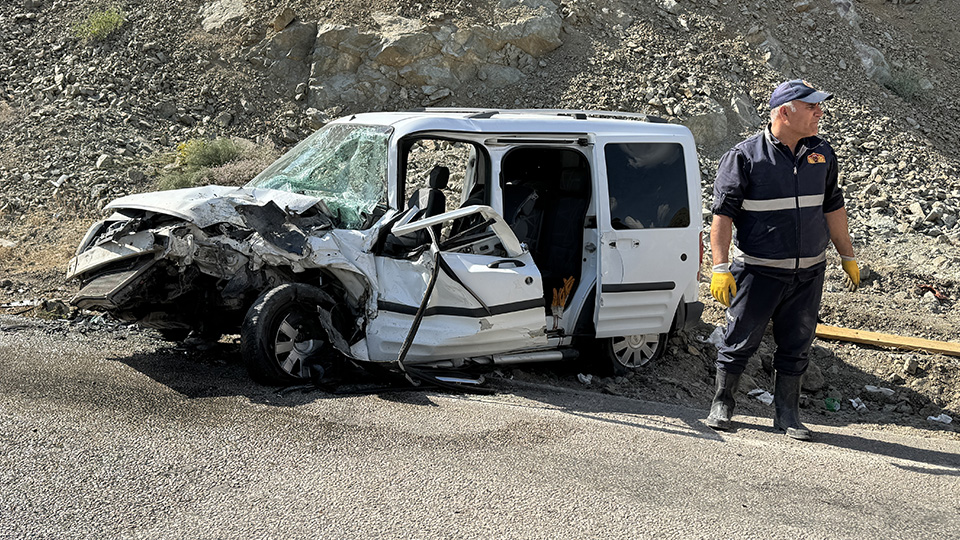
x,y
636,350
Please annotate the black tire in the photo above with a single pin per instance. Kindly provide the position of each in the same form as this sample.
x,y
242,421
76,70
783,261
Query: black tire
x,y
626,354
282,340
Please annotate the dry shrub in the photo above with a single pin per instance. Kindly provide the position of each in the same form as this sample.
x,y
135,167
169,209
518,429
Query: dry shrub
x,y
239,172
99,24
230,162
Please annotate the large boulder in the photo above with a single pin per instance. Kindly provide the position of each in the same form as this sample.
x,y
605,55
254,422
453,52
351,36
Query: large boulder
x,y
402,41
709,126
873,62
286,56
216,15
350,66
535,28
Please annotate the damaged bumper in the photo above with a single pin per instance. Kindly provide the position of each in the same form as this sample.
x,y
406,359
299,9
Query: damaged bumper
x,y
164,271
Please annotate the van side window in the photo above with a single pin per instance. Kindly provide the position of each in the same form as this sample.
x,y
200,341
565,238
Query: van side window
x,y
647,185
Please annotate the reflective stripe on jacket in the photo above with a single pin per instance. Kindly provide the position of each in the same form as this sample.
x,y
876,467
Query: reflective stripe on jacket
x,y
777,201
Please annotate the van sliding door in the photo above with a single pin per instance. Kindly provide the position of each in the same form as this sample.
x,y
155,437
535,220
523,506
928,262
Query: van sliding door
x,y
649,233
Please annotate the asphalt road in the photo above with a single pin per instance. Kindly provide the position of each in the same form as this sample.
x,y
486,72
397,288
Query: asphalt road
x,y
103,435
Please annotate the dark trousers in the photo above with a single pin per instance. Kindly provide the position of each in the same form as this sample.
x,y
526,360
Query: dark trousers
x,y
791,301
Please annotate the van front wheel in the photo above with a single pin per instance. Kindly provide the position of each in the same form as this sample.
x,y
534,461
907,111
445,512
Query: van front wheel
x,y
626,354
282,340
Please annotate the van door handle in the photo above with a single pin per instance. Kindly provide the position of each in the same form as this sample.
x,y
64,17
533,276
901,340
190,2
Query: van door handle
x,y
590,247
514,262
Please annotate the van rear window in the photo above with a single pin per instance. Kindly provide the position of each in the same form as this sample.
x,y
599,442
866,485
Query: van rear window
x,y
647,185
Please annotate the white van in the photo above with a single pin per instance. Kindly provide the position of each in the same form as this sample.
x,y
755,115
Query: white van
x,y
436,238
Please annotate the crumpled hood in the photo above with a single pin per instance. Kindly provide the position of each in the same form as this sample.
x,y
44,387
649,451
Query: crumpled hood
x,y
209,205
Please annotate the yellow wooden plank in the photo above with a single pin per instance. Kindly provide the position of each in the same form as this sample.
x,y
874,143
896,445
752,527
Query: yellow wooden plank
x,y
887,340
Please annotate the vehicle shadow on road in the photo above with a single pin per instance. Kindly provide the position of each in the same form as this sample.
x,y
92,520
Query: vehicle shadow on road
x,y
216,370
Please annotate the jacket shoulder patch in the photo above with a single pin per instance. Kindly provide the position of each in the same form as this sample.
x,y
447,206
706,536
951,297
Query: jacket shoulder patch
x,y
816,158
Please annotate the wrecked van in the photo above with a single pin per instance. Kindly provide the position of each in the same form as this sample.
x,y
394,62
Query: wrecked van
x,y
438,238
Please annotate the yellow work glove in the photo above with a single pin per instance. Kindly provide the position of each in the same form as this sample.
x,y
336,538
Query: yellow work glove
x,y
722,285
849,265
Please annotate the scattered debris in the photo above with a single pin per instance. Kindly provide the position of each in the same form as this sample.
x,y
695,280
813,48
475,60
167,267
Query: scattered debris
x,y
878,390
858,404
832,404
942,418
937,294
761,395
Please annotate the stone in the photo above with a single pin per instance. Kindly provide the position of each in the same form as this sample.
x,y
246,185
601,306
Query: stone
x,y
223,119
536,34
709,127
284,19
135,175
56,307
403,41
910,366
813,380
288,136
104,161
929,409
743,111
166,109
499,76
670,6
874,63
216,15
314,119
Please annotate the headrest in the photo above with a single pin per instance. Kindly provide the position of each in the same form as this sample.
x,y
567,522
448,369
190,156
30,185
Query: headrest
x,y
439,177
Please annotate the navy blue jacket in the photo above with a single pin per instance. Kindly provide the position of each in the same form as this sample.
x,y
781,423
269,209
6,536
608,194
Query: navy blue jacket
x,y
777,201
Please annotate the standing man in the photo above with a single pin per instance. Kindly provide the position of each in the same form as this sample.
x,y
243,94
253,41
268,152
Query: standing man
x,y
780,189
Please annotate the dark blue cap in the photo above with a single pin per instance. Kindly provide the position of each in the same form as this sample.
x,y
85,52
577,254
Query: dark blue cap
x,y
797,89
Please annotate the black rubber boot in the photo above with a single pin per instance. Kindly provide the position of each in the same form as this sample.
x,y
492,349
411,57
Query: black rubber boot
x,y
721,410
786,400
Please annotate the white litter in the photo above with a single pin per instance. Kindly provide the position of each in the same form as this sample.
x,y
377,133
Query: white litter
x,y
585,379
715,338
943,418
858,404
878,390
762,395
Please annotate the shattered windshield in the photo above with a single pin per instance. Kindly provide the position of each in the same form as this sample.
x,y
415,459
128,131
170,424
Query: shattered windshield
x,y
343,164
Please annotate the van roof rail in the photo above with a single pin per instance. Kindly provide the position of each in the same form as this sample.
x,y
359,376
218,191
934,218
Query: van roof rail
x,y
479,113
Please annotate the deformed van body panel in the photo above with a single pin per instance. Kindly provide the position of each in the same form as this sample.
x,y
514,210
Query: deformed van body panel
x,y
475,309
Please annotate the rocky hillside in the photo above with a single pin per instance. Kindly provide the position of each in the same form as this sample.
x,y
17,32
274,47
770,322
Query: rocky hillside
x,y
84,120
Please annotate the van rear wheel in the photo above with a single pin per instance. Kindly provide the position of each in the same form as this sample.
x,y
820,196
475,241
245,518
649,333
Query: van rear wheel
x,y
626,354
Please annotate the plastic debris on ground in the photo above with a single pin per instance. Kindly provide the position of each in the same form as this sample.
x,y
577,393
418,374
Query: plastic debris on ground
x,y
858,404
943,418
878,390
761,395
585,379
715,338
832,404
